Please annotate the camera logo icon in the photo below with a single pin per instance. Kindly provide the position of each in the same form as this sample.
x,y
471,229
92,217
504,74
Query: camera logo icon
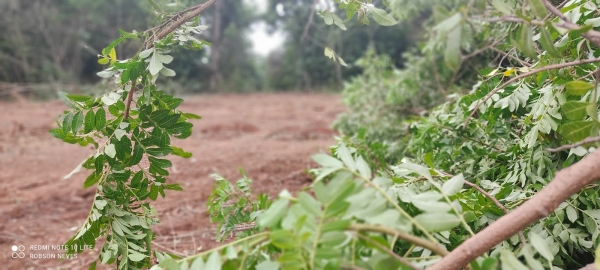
x,y
17,252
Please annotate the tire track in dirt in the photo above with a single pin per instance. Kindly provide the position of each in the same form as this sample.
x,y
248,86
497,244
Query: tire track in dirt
x,y
270,136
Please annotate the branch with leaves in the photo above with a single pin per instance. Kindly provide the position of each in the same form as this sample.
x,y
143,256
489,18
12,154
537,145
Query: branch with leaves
x,y
124,138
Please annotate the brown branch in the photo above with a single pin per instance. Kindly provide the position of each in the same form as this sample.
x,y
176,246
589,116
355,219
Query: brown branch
x,y
388,251
497,203
527,74
489,46
309,22
591,35
191,13
511,57
569,146
129,99
591,266
567,182
435,248
436,76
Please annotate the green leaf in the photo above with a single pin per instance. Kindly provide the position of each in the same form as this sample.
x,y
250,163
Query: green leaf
x,y
578,130
67,123
154,6
91,180
525,42
538,8
510,261
214,261
597,255
161,163
268,265
89,122
338,22
363,167
548,43
136,157
153,192
437,222
346,157
175,187
327,161
333,238
78,98
329,53
541,246
309,204
179,152
274,214
327,17
571,213
283,239
502,6
381,16
454,185
103,60
63,97
336,225
136,256
423,171
159,151
110,150
578,88
452,51
198,264
191,116
164,119
169,264
574,110
100,120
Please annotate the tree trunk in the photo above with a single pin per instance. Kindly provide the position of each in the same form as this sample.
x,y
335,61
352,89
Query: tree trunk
x,y
215,49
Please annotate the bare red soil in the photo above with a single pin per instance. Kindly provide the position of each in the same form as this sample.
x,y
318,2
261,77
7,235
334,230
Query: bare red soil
x,y
270,136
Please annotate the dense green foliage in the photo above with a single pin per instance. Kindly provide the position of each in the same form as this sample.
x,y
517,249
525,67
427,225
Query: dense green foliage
x,y
433,153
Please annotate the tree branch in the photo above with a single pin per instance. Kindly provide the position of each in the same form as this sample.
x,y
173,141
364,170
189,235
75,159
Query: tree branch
x,y
129,99
191,13
388,251
435,248
527,74
566,183
497,203
591,35
310,21
569,146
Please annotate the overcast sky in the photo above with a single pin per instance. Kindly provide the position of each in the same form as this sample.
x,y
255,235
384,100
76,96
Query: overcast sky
x,y
262,42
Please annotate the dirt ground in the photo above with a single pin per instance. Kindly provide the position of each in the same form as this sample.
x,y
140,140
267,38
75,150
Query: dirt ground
x,y
270,136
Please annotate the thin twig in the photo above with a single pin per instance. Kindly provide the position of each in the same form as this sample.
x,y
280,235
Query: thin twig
x,y
129,99
168,249
591,35
527,74
418,241
195,11
436,75
388,251
510,56
310,21
570,146
497,203
489,46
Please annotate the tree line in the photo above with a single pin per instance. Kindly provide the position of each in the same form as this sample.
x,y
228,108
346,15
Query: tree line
x,y
59,42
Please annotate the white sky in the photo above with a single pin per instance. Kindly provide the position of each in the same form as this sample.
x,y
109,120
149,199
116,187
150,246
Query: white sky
x,y
262,42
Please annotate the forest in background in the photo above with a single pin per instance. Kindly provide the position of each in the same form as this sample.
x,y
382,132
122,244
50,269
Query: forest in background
x,y
57,45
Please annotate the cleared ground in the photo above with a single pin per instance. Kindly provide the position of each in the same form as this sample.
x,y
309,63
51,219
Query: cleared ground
x,y
270,136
